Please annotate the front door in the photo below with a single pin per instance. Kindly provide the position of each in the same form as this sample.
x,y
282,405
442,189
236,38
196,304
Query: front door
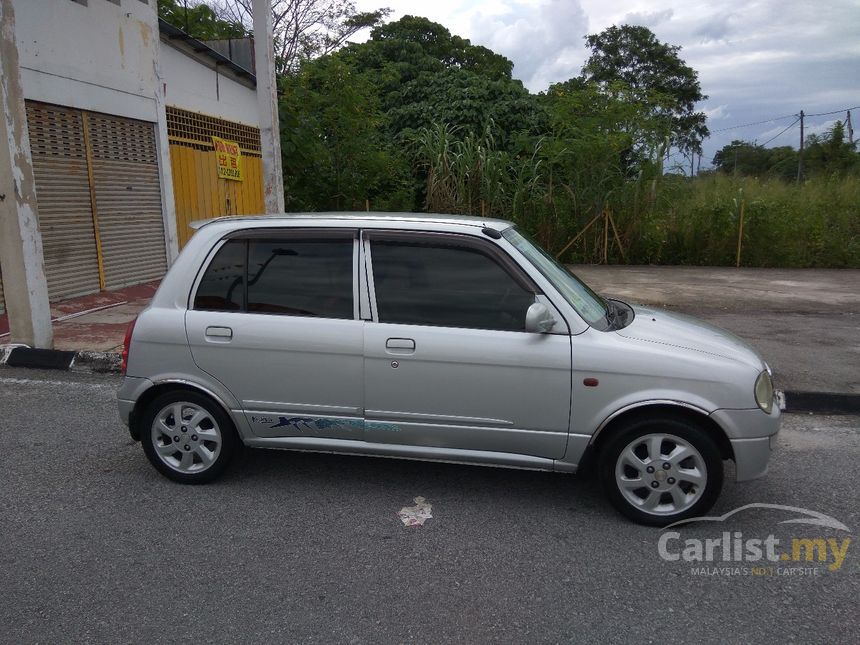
x,y
448,363
275,319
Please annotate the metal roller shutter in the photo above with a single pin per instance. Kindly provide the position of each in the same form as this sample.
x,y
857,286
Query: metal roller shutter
x,y
128,199
63,193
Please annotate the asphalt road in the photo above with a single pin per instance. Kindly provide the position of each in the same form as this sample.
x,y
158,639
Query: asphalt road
x,y
289,547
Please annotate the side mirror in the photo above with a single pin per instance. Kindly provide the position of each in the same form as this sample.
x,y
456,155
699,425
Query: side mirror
x,y
538,319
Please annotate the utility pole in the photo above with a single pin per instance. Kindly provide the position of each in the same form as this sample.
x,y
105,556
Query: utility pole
x,y
267,105
800,154
850,128
21,259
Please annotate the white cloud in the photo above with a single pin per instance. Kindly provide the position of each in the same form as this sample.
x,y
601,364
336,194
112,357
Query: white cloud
x,y
545,40
717,113
648,19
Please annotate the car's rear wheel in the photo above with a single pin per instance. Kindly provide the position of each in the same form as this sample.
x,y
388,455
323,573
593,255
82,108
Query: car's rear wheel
x,y
188,437
659,471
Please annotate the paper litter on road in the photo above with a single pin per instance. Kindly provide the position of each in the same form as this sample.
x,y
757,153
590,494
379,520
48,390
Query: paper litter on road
x,y
416,515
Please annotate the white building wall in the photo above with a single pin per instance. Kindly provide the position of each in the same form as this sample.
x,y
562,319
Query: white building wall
x,y
194,86
95,56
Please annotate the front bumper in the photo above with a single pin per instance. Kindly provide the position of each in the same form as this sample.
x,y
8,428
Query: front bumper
x,y
752,434
751,457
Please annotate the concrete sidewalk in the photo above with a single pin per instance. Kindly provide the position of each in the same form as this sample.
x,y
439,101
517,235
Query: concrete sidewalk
x,y
806,322
93,323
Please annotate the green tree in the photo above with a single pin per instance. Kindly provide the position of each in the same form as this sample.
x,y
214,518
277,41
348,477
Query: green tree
x,y
334,153
466,101
199,20
827,154
450,50
633,56
830,153
611,117
747,159
426,75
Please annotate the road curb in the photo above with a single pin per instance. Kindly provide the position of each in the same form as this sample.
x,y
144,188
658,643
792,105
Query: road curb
x,y
54,359
109,363
822,402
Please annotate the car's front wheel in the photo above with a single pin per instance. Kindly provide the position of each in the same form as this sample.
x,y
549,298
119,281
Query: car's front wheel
x,y
188,437
659,471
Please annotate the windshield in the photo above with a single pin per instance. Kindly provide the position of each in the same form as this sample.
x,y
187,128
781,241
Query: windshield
x,y
588,304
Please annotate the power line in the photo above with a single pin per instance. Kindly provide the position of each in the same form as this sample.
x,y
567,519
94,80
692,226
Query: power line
x,y
780,118
746,125
781,133
856,107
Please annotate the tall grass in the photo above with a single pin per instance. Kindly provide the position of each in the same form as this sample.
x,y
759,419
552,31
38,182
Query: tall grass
x,y
812,224
555,191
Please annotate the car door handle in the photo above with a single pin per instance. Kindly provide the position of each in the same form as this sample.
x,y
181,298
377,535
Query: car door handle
x,y
219,333
400,346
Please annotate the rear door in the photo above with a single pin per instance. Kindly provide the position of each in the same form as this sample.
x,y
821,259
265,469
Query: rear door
x,y
448,363
274,317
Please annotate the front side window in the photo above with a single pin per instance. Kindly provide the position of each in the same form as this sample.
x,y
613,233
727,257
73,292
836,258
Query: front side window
x,y
299,277
588,304
448,285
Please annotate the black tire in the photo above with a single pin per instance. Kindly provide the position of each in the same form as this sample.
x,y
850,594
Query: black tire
x,y
229,446
696,436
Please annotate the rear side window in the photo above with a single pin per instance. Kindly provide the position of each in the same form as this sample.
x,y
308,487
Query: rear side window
x,y
447,286
223,285
300,277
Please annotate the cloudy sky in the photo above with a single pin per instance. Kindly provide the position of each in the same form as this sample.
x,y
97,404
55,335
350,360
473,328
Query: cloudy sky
x,y
757,59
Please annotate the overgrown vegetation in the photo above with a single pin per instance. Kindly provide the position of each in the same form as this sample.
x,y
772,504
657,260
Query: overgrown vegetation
x,y
417,118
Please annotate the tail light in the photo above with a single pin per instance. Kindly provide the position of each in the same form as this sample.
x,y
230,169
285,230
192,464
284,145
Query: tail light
x,y
126,345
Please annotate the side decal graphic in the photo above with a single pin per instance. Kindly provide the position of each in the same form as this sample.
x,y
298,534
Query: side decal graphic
x,y
310,424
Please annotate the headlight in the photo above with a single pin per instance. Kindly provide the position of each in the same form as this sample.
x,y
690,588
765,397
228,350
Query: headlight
x,y
764,392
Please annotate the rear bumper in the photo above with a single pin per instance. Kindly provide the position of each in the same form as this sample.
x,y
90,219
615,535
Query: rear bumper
x,y
125,408
126,398
752,434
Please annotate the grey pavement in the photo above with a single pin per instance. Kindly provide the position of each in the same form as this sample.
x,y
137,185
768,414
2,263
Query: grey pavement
x,y
805,322
292,547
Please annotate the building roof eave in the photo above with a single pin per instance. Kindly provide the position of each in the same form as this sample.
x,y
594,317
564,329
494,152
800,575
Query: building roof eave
x,y
172,33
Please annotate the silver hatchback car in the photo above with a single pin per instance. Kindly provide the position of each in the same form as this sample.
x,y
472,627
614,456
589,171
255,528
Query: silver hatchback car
x,y
440,338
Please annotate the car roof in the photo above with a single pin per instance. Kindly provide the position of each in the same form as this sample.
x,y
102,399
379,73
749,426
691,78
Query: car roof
x,y
355,218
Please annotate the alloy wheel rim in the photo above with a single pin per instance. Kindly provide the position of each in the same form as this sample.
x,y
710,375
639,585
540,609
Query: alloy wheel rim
x,y
186,437
661,474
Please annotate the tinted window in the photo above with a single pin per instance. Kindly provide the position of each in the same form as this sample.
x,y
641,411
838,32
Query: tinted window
x,y
587,303
444,285
222,287
302,277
